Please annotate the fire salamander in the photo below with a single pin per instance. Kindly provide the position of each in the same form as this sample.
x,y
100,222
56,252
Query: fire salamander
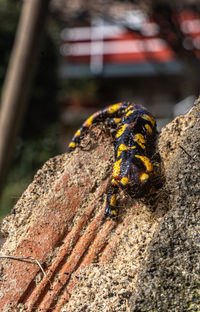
x,y
134,145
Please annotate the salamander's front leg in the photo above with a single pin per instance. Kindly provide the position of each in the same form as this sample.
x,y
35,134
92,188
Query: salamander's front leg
x,y
111,202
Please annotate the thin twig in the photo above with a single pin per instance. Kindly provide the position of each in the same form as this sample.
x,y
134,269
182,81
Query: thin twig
x,y
32,260
191,157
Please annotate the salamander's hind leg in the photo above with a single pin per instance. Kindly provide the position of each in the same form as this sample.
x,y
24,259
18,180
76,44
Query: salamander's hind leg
x,y
113,111
111,202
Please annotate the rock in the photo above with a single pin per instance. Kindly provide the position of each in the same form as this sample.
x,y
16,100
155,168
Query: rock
x,y
147,260
169,278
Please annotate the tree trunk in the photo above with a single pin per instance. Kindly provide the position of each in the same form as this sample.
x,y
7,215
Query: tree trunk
x,y
18,78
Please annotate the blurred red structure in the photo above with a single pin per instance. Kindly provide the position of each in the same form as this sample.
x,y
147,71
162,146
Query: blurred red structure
x,y
135,40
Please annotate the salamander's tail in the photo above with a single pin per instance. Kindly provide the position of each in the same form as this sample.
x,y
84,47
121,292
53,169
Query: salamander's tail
x,y
111,111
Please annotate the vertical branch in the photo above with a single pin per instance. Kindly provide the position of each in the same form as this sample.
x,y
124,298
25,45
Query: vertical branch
x,y
18,77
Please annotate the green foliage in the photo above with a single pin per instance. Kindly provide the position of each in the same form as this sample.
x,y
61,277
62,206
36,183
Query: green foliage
x,y
30,155
11,194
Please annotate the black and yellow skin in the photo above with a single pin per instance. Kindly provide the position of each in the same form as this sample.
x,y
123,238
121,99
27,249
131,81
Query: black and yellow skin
x,y
134,144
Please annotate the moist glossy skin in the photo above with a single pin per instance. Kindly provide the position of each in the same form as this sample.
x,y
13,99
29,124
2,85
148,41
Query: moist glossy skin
x,y
134,144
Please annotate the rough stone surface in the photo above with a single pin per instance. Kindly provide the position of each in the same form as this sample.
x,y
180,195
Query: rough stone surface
x,y
169,278
166,276
149,259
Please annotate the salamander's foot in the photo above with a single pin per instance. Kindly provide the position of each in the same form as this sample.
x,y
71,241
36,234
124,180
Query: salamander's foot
x,y
111,212
71,147
111,203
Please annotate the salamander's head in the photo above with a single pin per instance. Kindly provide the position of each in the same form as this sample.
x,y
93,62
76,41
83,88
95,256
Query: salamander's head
x,y
134,180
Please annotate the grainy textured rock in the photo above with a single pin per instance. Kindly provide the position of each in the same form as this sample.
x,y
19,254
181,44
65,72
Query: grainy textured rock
x,y
164,276
59,221
169,278
147,260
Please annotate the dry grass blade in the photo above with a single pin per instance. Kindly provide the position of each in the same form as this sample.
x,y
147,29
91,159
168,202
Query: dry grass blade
x,y
30,259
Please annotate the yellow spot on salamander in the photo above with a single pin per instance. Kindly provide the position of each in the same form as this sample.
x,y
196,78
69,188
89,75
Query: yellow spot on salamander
x,y
149,118
146,161
122,148
113,200
116,120
113,212
114,182
72,145
124,181
129,107
78,133
139,138
116,168
89,121
149,129
121,130
114,108
129,112
144,177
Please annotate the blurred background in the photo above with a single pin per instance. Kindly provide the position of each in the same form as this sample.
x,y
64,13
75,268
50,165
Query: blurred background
x,y
93,54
